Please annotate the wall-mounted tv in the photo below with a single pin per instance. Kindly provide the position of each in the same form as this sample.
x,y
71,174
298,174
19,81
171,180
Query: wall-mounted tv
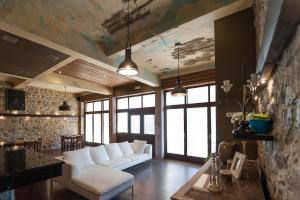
x,y
15,100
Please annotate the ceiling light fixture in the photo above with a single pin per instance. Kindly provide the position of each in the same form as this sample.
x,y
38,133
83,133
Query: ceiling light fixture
x,y
128,67
65,106
178,91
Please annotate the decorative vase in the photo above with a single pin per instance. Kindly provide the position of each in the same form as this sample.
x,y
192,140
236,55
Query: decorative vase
x,y
226,150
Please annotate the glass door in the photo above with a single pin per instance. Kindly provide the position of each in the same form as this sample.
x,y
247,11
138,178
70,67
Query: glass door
x,y
175,128
197,133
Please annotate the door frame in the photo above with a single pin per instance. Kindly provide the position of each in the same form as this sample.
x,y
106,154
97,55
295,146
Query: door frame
x,y
185,106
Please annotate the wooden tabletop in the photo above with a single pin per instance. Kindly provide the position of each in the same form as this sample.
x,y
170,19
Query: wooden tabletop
x,y
16,143
248,187
70,136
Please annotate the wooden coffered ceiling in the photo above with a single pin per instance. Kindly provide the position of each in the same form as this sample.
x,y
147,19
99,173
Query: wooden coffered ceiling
x,y
90,72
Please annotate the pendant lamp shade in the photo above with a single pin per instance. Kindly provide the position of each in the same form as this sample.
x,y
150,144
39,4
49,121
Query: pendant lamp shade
x,y
65,106
128,67
178,91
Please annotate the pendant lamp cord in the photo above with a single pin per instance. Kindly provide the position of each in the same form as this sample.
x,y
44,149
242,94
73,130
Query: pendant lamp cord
x,y
128,43
65,92
178,61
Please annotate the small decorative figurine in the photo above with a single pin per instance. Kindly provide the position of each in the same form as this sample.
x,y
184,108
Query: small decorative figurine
x,y
214,185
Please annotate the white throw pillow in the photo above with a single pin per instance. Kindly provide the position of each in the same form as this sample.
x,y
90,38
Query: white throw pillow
x,y
126,148
113,150
81,157
99,154
139,146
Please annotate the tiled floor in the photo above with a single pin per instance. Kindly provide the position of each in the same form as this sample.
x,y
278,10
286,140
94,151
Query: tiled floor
x,y
154,180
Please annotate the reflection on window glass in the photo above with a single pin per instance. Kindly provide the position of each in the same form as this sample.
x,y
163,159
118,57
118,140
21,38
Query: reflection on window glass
x,y
97,106
97,128
123,103
122,122
213,129
106,105
135,124
170,100
135,102
175,131
149,100
198,95
212,93
89,127
89,107
197,133
149,124
105,128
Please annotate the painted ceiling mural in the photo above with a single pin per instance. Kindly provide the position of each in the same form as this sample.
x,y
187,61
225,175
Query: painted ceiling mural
x,y
96,28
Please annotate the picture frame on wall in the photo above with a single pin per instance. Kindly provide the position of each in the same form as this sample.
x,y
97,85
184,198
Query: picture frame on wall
x,y
15,100
237,164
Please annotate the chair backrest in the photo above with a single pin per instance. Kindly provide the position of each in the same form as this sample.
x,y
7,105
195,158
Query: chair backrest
x,y
79,138
30,145
39,144
35,145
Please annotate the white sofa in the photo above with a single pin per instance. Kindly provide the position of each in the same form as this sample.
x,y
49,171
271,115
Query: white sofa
x,y
95,172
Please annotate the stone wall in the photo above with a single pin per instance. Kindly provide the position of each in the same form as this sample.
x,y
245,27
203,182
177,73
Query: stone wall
x,y
42,102
280,160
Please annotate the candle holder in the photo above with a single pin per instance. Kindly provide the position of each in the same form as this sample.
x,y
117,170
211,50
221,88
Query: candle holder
x,y
214,183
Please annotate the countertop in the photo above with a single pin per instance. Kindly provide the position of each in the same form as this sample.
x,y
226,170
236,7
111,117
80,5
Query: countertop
x,y
24,166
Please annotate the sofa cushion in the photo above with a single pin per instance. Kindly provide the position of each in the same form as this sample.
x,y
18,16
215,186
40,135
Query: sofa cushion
x,y
81,157
116,162
113,150
99,180
139,146
99,154
126,148
136,156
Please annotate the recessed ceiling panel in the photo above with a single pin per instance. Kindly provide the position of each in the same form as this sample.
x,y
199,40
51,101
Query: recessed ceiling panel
x,y
25,58
90,72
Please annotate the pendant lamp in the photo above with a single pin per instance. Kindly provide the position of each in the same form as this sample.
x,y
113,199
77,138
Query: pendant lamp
x,y
128,67
65,106
178,91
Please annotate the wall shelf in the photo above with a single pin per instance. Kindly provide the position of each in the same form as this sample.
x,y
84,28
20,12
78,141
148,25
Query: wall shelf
x,y
34,115
281,22
251,136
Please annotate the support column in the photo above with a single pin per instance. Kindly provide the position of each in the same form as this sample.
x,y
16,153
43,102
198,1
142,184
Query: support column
x,y
159,123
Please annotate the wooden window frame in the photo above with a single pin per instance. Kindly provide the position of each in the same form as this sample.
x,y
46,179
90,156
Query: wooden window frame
x,y
136,111
101,112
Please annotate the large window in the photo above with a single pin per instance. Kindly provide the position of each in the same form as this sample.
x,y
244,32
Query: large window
x,y
96,117
191,123
135,114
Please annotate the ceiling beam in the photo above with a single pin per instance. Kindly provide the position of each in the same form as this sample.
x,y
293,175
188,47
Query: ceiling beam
x,y
144,76
59,79
52,69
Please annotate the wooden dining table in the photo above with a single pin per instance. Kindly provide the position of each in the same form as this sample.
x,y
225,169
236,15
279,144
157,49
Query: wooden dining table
x,y
71,142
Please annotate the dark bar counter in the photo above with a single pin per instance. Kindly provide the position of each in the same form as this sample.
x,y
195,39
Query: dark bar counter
x,y
23,167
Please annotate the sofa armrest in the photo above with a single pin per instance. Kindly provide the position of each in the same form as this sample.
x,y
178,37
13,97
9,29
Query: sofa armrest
x,y
148,150
69,171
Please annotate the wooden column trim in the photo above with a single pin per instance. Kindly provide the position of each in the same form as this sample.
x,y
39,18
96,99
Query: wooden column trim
x,y
112,120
